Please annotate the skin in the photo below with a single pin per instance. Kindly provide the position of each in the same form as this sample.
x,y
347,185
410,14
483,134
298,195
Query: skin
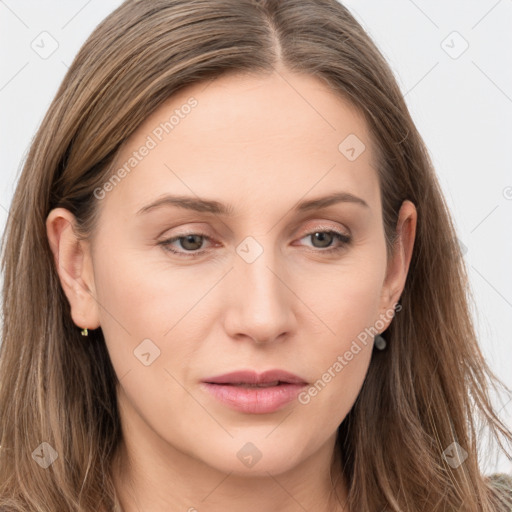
x,y
260,145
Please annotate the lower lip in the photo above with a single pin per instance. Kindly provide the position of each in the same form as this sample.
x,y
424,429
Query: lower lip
x,y
254,400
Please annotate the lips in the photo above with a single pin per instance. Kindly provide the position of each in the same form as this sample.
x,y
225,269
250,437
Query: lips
x,y
254,393
250,378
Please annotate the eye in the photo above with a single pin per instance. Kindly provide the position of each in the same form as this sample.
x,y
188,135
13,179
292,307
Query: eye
x,y
188,241
325,238
191,242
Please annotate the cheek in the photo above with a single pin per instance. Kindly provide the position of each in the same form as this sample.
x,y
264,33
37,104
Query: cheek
x,y
141,289
348,305
139,301
148,320
344,297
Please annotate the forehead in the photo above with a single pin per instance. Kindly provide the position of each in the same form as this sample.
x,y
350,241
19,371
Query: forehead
x,y
247,138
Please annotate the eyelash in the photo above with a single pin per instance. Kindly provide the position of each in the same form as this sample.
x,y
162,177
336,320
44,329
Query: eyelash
x,y
343,239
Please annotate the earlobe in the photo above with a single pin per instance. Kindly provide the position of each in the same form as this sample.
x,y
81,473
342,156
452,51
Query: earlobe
x,y
74,267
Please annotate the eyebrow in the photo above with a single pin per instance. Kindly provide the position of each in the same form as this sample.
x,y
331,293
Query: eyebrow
x,y
217,208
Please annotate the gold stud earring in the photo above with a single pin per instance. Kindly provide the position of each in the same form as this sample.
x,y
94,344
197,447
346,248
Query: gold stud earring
x,y
85,332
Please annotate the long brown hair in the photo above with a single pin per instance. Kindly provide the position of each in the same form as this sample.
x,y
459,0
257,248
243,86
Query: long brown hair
x,y
429,389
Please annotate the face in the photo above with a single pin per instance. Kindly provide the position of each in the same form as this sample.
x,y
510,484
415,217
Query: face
x,y
265,275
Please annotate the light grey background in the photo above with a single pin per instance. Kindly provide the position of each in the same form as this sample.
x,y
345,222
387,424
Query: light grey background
x,y
460,99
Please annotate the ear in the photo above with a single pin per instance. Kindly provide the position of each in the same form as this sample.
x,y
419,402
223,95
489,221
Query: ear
x,y
398,265
74,266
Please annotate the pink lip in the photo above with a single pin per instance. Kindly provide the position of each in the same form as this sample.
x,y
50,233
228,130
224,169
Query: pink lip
x,y
230,390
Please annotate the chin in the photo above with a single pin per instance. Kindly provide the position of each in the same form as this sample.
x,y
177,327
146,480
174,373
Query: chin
x,y
253,455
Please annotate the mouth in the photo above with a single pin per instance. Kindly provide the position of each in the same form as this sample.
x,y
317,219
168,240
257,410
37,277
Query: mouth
x,y
253,393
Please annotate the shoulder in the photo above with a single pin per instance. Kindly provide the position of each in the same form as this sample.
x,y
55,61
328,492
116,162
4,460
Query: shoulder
x,y
502,481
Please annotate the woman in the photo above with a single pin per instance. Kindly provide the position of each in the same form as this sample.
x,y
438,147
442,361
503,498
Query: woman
x,y
231,279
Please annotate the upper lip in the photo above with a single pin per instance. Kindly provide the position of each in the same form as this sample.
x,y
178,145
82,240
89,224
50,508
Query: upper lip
x,y
252,377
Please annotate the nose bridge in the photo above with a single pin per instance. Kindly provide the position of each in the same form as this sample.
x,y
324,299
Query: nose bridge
x,y
262,307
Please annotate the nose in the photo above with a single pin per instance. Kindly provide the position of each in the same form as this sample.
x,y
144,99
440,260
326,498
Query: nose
x,y
261,301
